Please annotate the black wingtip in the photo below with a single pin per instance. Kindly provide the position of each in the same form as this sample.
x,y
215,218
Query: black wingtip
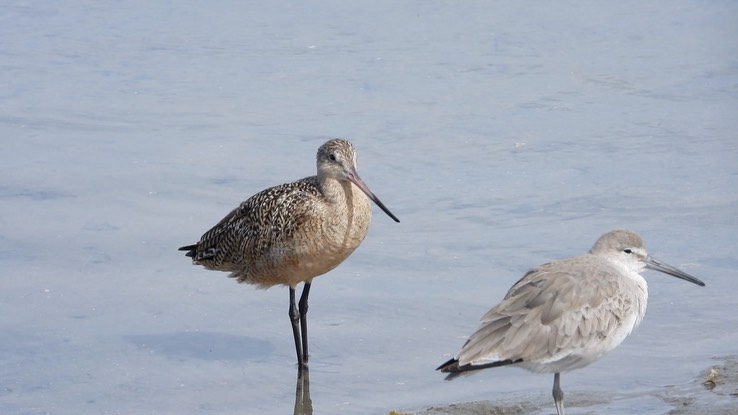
x,y
454,370
191,250
449,365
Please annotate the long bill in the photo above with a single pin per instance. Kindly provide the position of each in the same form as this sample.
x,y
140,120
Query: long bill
x,y
656,265
355,179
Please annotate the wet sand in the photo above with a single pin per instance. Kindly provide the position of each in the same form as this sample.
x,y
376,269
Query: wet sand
x,y
714,392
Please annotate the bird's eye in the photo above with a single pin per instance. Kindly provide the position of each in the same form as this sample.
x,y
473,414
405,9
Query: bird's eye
x,y
628,251
332,157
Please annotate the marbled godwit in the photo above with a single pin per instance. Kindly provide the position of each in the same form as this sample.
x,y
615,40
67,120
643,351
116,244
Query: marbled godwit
x,y
566,314
294,232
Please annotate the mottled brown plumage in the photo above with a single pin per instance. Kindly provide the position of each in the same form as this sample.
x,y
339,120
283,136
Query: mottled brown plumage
x,y
294,232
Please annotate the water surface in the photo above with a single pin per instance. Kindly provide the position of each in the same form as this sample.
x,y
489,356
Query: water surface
x,y
502,135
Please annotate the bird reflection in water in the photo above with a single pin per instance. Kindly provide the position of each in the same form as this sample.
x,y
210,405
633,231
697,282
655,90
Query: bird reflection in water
x,y
303,403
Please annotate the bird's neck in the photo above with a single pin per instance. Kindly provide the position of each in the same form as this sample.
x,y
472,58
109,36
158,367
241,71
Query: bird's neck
x,y
340,191
347,211
639,298
334,191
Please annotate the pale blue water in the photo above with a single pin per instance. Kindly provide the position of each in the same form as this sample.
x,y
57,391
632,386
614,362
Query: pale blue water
x,y
503,135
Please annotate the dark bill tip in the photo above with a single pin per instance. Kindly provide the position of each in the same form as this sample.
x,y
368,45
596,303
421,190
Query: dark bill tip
x,y
355,179
656,265
383,207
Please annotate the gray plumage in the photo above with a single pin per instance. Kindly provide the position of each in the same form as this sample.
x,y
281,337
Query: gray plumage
x,y
566,314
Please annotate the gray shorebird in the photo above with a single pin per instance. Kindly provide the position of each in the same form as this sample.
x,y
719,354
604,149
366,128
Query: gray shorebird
x,y
566,314
294,232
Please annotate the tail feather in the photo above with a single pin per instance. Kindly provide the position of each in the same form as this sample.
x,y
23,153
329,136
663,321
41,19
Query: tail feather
x,y
455,370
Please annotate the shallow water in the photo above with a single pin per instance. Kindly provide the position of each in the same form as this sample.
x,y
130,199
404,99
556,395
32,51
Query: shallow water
x,y
502,136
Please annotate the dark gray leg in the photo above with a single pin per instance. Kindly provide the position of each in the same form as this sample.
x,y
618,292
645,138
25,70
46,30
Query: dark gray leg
x,y
558,395
295,320
303,320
